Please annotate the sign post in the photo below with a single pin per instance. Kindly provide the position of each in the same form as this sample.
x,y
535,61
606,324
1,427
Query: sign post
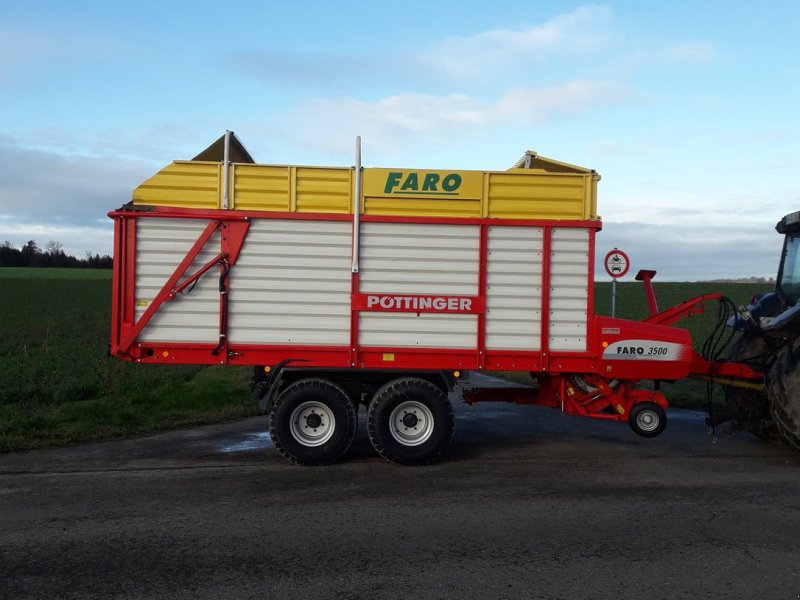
x,y
617,264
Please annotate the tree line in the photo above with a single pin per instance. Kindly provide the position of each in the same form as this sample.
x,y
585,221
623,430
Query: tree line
x,y
53,255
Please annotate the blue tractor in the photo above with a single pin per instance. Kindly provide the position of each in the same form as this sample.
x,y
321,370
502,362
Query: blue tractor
x,y
769,342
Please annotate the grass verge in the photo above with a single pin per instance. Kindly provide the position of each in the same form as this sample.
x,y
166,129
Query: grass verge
x,y
57,384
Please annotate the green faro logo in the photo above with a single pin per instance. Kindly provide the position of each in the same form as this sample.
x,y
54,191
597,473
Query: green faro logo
x,y
432,183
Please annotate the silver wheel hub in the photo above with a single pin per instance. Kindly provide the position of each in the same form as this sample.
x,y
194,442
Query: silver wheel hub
x,y
647,420
411,423
312,423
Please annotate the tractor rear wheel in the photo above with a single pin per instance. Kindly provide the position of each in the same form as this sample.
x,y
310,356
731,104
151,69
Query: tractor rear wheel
x,y
750,406
783,390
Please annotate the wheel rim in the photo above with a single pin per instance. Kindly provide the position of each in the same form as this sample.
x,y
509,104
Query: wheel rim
x,y
647,420
312,423
411,423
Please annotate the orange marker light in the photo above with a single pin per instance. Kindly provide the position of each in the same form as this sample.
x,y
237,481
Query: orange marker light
x,y
456,374
165,354
267,369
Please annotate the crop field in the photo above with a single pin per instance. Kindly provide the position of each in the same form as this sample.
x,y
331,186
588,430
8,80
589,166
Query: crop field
x,y
46,273
57,384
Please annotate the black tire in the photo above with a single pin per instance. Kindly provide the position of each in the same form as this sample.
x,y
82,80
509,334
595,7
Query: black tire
x,y
751,408
647,419
783,390
410,421
313,422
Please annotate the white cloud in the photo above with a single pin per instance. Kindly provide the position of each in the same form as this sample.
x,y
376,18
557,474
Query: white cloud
x,y
692,52
411,117
535,105
583,29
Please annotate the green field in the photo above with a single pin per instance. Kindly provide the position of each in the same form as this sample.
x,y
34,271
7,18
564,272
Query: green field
x,y
57,384
40,273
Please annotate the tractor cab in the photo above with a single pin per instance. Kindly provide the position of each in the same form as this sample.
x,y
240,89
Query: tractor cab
x,y
788,283
776,313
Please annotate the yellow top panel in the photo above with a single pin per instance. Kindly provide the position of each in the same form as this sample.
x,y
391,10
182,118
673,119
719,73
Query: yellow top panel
x,y
528,191
182,184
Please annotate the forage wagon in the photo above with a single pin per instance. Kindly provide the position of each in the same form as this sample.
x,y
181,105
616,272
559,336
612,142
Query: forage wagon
x,y
384,287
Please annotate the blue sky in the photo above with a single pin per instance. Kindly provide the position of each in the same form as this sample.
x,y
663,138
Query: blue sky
x,y
688,110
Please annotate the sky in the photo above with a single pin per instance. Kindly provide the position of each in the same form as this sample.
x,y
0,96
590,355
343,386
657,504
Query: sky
x,y
688,110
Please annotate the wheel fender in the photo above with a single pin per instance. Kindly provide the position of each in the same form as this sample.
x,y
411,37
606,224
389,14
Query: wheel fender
x,y
638,396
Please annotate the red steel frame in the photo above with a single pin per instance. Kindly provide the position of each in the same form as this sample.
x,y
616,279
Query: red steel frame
x,y
233,227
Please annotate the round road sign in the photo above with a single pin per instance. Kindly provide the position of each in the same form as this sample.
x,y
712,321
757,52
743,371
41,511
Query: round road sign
x,y
617,263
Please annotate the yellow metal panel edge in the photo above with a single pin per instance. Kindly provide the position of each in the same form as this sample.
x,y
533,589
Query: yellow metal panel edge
x,y
353,200
558,164
292,174
269,165
485,198
588,210
231,187
194,162
220,178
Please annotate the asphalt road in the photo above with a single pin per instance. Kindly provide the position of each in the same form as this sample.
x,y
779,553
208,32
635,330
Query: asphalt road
x,y
527,503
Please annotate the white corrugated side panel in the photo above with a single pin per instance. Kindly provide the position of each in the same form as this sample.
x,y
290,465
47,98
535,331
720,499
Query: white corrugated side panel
x,y
569,289
413,258
514,288
291,284
428,330
161,244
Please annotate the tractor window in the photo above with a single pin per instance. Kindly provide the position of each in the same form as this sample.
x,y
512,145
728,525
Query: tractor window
x,y
789,283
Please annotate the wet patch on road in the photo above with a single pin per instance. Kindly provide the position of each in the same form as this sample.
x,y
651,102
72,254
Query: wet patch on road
x,y
251,442
681,414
